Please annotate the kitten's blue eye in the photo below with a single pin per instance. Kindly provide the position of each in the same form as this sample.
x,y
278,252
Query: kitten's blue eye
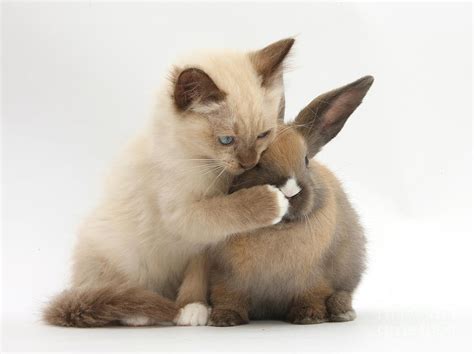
x,y
226,140
264,134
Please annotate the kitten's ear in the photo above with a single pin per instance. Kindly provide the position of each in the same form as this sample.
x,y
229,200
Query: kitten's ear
x,y
194,89
269,61
324,117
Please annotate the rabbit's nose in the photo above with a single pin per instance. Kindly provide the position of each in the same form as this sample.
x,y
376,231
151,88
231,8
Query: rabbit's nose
x,y
290,188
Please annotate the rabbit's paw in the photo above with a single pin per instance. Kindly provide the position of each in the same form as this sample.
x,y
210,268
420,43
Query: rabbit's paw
x,y
339,306
307,315
226,318
343,317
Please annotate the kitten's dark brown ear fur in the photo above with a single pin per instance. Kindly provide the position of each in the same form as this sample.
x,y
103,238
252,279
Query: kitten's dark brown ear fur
x,y
324,117
268,61
194,85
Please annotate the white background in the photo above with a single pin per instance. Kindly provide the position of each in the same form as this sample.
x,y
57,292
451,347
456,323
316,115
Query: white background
x,y
79,79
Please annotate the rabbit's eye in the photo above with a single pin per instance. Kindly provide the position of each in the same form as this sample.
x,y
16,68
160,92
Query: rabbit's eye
x,y
306,161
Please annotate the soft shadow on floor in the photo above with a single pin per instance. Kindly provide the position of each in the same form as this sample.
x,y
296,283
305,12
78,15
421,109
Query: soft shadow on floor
x,y
408,329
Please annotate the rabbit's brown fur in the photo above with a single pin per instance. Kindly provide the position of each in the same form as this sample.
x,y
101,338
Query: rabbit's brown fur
x,y
305,269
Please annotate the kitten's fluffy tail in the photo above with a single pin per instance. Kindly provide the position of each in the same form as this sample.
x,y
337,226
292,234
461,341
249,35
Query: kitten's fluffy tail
x,y
107,305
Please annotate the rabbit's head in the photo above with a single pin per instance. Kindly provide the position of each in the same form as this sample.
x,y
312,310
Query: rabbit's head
x,y
287,161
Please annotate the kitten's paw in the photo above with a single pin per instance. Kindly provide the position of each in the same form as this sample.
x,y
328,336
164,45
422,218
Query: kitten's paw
x,y
194,314
307,315
137,321
343,317
290,188
282,203
226,318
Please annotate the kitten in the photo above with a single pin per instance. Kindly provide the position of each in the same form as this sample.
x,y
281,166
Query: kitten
x,y
305,269
166,200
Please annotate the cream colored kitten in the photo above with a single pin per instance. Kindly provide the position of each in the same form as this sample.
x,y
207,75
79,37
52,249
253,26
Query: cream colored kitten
x,y
166,200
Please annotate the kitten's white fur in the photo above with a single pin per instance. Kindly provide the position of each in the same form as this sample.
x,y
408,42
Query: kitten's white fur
x,y
195,314
283,204
137,321
290,188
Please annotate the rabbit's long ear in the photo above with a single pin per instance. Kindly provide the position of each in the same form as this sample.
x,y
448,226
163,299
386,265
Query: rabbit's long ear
x,y
324,117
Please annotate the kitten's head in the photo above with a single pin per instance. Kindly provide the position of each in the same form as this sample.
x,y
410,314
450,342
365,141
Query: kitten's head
x,y
228,104
287,162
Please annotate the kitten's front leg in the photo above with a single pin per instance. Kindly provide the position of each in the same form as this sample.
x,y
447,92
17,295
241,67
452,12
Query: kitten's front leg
x,y
229,306
211,220
192,296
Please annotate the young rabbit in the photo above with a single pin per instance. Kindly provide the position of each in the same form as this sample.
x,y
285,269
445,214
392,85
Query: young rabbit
x,y
305,269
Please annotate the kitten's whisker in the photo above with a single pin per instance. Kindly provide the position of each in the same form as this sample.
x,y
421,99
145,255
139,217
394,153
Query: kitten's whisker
x,y
199,169
214,181
198,159
195,167
280,133
212,170
308,223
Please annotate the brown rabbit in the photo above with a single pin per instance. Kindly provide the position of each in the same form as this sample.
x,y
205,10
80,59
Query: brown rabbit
x,y
305,269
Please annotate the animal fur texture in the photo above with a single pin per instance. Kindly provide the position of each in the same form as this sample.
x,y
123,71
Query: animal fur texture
x,y
138,258
305,269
